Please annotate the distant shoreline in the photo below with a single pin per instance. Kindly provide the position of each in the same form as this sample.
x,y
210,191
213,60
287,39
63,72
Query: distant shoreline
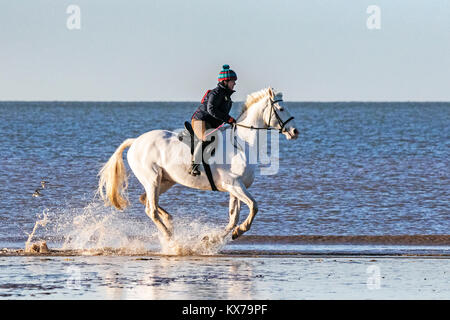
x,y
349,240
187,101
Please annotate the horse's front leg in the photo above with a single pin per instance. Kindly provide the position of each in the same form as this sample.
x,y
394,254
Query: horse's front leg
x,y
234,210
239,191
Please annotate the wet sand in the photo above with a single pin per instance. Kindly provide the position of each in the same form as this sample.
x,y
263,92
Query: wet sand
x,y
229,275
254,267
347,240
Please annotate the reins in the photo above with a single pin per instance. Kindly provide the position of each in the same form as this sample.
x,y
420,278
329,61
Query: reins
x,y
272,109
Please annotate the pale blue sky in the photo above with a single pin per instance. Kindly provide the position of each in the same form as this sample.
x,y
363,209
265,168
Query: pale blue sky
x,y
173,50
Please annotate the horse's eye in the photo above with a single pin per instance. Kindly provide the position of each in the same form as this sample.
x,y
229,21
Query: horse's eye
x,y
281,109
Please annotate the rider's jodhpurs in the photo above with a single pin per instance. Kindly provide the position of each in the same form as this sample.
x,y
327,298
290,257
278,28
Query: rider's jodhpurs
x,y
199,127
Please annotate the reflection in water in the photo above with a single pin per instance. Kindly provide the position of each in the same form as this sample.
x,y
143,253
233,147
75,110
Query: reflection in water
x,y
241,274
180,278
193,278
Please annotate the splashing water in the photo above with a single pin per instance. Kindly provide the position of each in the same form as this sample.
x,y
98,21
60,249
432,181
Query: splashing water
x,y
194,238
41,222
95,229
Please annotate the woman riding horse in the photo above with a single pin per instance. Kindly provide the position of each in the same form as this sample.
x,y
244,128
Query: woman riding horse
x,y
212,113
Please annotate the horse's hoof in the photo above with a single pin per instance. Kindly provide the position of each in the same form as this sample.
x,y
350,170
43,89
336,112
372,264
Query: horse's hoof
x,y
143,198
43,247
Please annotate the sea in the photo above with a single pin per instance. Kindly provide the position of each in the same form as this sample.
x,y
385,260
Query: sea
x,y
367,173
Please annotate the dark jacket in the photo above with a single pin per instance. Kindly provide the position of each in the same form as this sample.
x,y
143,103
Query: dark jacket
x,y
215,107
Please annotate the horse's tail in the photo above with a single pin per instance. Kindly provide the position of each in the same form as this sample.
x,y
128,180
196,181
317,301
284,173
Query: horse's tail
x,y
113,180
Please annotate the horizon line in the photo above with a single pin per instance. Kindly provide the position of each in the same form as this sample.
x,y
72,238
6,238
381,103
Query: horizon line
x,y
192,101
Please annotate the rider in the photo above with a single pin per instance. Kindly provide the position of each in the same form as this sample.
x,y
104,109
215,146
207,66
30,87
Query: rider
x,y
213,112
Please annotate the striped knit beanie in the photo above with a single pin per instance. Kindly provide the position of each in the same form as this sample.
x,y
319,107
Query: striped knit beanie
x,y
227,74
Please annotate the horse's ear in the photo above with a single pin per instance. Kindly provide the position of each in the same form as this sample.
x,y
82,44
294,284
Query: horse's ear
x,y
270,92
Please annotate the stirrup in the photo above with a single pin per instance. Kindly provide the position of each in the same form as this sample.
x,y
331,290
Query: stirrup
x,y
194,170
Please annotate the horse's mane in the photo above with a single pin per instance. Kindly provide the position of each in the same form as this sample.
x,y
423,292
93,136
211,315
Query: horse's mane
x,y
254,97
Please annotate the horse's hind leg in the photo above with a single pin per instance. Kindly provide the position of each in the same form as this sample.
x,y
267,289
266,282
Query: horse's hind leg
x,y
151,209
164,186
163,214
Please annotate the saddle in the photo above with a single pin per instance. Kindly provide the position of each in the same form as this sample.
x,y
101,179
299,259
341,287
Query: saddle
x,y
187,136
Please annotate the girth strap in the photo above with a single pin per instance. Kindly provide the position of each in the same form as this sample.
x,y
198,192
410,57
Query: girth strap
x,y
207,167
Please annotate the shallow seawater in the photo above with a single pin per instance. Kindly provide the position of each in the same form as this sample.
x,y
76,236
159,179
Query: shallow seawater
x,y
357,169
224,277
342,249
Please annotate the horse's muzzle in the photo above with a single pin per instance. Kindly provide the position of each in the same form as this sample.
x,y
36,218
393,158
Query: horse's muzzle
x,y
291,134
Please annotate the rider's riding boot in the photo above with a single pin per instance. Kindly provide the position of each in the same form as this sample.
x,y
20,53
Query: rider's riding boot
x,y
196,159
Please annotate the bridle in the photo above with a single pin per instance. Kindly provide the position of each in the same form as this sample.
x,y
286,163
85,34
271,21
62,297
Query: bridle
x,y
277,116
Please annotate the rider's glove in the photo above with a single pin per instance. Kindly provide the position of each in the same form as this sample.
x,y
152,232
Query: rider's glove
x,y
231,120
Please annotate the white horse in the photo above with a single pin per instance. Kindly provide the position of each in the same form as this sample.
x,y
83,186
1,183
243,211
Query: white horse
x,y
159,161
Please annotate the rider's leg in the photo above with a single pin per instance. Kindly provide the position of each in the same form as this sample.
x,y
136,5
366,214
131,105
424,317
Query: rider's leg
x,y
199,128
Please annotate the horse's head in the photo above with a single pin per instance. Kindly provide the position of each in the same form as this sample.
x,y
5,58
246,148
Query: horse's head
x,y
277,115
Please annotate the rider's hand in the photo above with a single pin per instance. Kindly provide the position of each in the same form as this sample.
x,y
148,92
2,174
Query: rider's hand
x,y
231,120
